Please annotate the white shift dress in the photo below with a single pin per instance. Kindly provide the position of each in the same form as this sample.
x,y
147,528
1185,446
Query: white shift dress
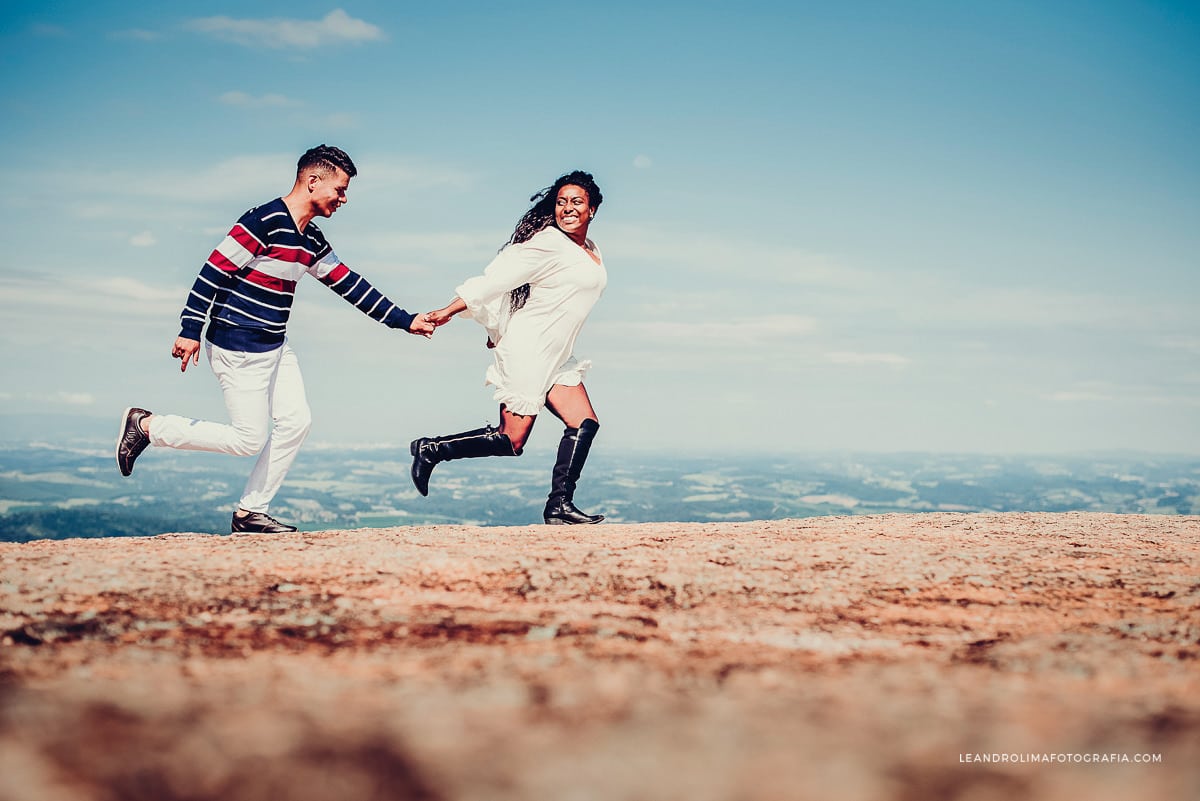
x,y
535,345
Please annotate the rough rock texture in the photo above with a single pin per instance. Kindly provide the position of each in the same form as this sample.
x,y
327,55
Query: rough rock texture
x,y
850,658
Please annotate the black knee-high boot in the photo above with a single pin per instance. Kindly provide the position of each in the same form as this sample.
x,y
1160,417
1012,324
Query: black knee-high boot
x,y
428,452
572,453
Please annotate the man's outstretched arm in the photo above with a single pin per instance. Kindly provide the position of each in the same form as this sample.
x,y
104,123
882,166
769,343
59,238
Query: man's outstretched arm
x,y
359,292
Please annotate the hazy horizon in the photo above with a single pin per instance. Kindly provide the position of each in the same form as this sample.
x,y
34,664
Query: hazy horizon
x,y
55,491
99,433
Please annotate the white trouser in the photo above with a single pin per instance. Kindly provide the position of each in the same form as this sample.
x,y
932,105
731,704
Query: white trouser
x,y
259,388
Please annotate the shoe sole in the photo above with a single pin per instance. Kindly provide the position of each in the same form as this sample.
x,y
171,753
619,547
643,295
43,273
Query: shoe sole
x,y
261,531
554,521
120,437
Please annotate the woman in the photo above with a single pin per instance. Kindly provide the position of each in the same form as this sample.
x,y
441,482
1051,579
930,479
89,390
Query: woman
x,y
533,299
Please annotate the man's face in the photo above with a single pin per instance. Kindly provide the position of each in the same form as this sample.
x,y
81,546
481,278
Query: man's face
x,y
327,191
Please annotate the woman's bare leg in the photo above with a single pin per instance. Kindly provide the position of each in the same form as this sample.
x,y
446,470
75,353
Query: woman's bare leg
x,y
570,404
516,427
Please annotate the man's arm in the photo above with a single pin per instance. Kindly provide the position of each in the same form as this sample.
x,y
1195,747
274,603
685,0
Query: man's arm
x,y
219,274
357,291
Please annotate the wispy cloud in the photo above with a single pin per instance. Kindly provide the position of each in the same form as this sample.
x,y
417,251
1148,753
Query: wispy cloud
x,y
336,27
388,173
337,121
48,31
1190,345
110,297
136,35
701,252
143,240
60,398
239,176
1103,392
731,332
894,360
104,194
1073,396
454,247
72,398
269,100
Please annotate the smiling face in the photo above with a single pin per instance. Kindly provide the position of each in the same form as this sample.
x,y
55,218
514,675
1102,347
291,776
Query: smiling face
x,y
327,191
573,211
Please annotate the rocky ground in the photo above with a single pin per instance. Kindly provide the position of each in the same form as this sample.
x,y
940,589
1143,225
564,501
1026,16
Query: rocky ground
x,y
889,657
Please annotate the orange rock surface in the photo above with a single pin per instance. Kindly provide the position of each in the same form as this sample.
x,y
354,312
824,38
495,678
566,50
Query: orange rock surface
x,y
930,656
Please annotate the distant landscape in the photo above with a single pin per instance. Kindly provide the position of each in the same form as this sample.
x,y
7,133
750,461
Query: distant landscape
x,y
56,490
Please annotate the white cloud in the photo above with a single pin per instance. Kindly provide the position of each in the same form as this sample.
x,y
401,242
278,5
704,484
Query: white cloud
x,y
104,194
337,27
269,100
387,175
114,297
48,31
337,121
735,332
1186,344
60,398
642,162
73,398
1076,397
700,251
852,358
121,287
1106,392
137,35
143,240
454,247
239,176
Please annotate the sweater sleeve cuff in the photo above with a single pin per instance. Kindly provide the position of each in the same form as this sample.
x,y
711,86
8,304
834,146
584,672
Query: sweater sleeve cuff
x,y
191,331
401,319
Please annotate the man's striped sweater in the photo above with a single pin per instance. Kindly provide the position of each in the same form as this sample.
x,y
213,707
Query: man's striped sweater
x,y
248,283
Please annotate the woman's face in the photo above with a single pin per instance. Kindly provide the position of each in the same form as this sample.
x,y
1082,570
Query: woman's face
x,y
572,211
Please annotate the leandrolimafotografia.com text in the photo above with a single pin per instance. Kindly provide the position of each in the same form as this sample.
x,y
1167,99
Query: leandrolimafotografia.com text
x,y
1048,758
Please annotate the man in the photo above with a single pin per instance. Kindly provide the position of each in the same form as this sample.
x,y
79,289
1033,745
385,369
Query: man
x,y
245,291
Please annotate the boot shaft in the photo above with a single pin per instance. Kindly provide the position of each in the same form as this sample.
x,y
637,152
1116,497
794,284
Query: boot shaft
x,y
573,451
429,452
486,441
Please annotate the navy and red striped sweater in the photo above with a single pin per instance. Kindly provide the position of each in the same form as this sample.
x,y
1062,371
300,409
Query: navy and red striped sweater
x,y
248,283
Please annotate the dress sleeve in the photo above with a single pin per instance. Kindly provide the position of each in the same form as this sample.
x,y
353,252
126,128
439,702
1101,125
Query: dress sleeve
x,y
517,264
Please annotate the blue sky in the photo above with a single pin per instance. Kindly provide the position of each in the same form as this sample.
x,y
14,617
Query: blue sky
x,y
858,226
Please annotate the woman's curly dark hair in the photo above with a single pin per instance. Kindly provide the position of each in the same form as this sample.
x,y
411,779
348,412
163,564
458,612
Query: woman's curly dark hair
x,y
541,216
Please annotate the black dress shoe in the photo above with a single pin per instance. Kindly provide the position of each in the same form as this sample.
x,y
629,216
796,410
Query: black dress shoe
x,y
258,523
563,512
131,441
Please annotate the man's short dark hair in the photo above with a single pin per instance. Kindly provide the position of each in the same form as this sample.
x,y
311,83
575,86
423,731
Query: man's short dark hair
x,y
326,158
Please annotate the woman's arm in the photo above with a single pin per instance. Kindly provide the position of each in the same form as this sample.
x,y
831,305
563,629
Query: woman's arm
x,y
443,315
523,263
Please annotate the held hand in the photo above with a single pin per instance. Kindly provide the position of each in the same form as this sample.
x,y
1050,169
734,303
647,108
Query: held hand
x,y
185,349
439,317
422,326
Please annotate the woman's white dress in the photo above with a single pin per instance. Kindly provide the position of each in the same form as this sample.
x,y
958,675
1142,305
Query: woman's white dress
x,y
535,345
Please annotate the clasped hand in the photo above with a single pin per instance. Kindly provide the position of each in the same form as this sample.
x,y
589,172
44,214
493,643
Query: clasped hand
x,y
425,324
439,317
